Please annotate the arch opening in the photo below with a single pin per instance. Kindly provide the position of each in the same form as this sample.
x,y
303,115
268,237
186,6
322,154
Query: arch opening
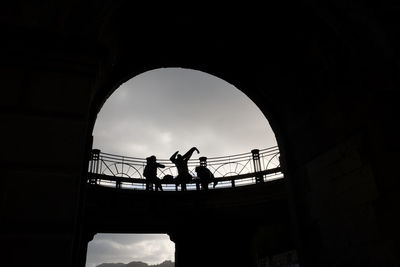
x,y
169,110
115,249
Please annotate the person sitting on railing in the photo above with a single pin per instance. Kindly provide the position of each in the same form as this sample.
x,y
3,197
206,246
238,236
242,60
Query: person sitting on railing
x,y
183,170
150,173
206,177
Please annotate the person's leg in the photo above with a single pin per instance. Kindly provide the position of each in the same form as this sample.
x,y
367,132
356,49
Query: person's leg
x,y
159,184
215,184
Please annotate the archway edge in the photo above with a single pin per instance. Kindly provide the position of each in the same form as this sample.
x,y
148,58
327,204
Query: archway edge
x,y
312,118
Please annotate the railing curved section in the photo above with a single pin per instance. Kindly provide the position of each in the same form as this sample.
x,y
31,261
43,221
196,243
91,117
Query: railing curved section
x,y
230,171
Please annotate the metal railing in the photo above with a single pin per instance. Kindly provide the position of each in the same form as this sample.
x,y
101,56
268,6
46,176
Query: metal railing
x,y
117,171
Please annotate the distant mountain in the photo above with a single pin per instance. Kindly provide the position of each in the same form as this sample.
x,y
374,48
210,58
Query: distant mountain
x,y
111,265
137,264
164,264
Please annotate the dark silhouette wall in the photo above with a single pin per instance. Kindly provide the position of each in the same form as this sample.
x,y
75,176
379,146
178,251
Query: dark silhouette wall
x,y
326,77
212,228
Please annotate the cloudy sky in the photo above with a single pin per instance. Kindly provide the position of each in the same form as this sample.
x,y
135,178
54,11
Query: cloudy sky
x,y
124,248
160,112
165,110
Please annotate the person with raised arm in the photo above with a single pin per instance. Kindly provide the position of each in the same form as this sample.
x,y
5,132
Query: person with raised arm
x,y
181,163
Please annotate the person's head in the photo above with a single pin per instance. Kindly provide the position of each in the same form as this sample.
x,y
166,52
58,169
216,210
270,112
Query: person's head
x,y
179,156
151,159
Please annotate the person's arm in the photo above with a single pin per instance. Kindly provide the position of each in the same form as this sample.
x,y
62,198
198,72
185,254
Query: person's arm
x,y
160,165
190,152
172,158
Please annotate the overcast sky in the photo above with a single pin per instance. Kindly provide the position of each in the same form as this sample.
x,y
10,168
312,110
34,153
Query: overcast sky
x,y
124,248
160,112
165,110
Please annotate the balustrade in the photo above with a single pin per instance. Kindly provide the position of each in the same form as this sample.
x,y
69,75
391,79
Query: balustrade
x,y
230,171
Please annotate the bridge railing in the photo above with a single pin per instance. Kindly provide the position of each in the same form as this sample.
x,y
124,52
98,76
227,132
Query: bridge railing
x,y
118,171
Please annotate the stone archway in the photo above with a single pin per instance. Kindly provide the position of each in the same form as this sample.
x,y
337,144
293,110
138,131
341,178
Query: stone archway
x,y
329,93
306,81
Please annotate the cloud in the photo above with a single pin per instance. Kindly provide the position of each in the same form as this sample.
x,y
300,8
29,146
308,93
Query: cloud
x,y
114,248
165,110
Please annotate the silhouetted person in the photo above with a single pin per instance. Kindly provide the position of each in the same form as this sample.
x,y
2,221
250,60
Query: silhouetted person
x,y
206,177
150,172
181,164
168,178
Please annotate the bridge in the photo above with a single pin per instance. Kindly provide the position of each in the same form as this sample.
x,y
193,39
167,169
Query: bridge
x,y
215,227
254,167
253,215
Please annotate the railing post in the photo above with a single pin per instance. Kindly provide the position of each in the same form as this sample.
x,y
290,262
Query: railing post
x,y
197,185
94,166
203,163
257,165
